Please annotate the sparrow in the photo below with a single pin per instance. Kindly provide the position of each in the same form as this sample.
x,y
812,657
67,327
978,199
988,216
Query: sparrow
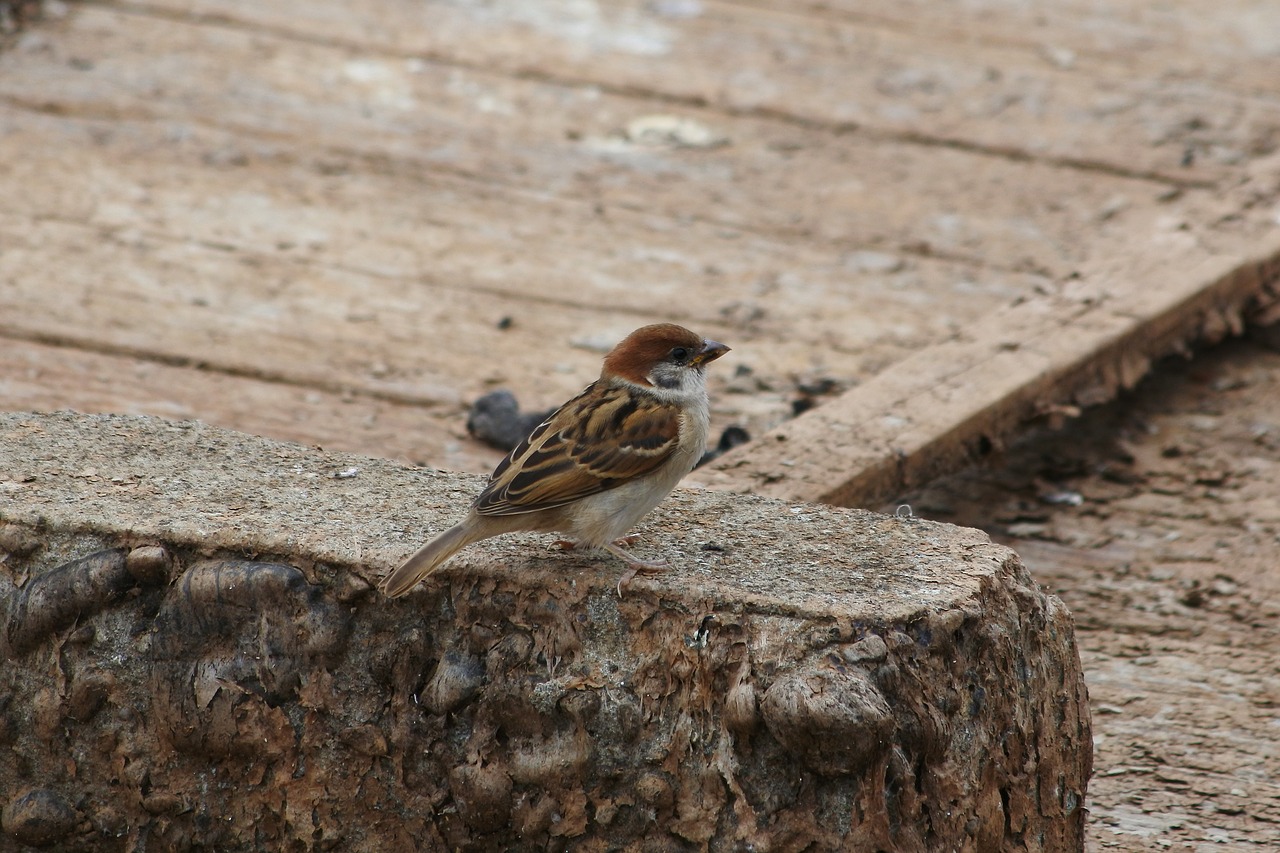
x,y
599,463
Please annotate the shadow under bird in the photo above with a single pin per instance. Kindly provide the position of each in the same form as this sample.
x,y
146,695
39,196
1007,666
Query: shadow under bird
x,y
599,463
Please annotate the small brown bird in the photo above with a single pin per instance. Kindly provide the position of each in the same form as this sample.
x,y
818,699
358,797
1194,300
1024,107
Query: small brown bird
x,y
600,462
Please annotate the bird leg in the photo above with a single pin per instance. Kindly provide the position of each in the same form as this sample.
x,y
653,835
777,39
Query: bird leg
x,y
635,565
615,548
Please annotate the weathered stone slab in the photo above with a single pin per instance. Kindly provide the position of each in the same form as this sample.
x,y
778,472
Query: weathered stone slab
x,y
194,656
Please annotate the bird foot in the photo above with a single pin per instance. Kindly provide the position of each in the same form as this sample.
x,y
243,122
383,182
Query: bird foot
x,y
635,566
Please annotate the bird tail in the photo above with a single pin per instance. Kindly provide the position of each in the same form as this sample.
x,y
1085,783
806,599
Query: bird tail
x,y
426,560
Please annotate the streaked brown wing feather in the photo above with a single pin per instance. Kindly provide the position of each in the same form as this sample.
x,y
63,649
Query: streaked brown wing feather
x,y
583,449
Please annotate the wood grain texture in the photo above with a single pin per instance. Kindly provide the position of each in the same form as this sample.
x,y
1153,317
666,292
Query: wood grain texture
x,y
1050,355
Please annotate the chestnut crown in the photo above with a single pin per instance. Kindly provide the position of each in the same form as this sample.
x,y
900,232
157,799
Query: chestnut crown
x,y
662,345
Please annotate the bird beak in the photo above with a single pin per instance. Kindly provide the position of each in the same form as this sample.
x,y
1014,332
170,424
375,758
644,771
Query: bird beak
x,y
710,352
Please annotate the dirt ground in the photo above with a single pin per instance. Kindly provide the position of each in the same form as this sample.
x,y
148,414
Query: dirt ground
x,y
1156,519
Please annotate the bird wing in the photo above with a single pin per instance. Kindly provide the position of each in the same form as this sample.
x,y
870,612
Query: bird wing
x,y
604,437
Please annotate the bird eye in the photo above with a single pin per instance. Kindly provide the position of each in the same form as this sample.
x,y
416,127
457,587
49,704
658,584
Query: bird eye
x,y
680,354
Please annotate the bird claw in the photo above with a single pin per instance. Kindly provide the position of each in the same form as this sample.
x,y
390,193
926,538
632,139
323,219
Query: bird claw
x,y
640,567
625,579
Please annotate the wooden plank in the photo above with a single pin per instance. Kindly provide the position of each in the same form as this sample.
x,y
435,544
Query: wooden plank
x,y
40,377
324,271
280,315
376,110
263,255
956,401
267,108
1231,46
919,84
294,207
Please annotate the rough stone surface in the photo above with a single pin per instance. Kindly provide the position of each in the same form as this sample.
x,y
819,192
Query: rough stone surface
x,y
194,657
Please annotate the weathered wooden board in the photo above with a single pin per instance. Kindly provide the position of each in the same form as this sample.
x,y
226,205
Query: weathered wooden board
x,y
37,377
349,214
957,401
1098,105
380,111
202,224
